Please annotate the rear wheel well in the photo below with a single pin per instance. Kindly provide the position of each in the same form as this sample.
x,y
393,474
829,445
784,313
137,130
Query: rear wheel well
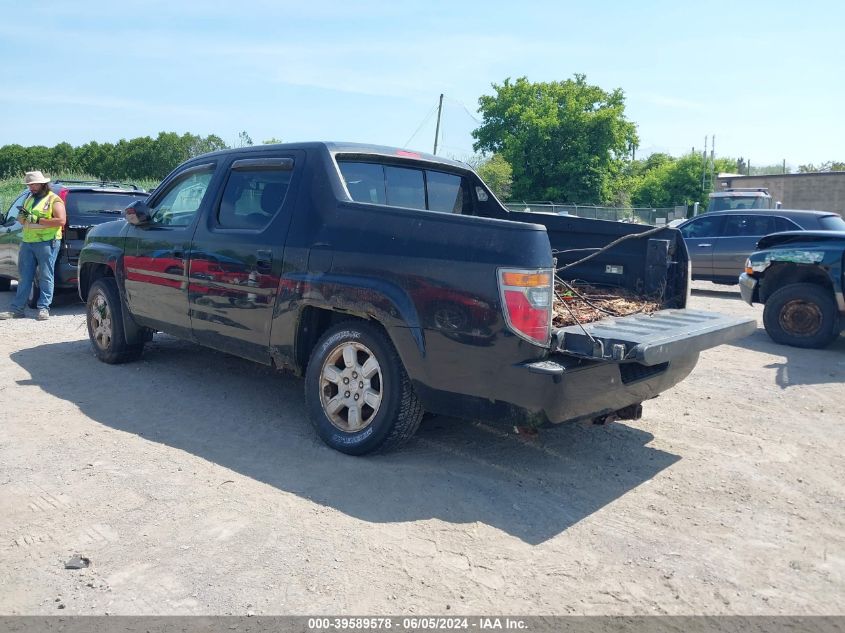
x,y
91,273
313,323
779,275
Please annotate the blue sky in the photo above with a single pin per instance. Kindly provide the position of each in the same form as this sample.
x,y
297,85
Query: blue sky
x,y
766,78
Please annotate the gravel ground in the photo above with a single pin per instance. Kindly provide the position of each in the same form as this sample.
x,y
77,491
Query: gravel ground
x,y
194,484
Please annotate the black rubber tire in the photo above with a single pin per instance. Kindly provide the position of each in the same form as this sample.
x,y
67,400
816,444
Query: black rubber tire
x,y
113,350
5,284
399,413
810,308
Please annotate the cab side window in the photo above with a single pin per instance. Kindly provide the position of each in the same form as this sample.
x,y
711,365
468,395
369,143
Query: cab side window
x,y
707,226
252,197
183,198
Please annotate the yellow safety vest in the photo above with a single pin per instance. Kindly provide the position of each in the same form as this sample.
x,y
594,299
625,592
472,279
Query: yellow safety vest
x,y
41,209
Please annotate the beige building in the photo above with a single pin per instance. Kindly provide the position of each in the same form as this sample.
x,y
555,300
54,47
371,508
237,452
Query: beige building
x,y
821,191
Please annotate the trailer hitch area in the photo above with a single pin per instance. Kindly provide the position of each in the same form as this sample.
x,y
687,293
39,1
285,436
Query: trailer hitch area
x,y
631,412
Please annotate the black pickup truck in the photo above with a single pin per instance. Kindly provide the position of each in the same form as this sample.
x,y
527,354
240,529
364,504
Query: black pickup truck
x,y
800,277
396,283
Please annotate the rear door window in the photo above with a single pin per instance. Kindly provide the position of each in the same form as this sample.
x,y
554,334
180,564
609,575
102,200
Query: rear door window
x,y
782,224
253,195
748,225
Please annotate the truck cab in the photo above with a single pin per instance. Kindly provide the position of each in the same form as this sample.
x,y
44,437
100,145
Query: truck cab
x,y
741,198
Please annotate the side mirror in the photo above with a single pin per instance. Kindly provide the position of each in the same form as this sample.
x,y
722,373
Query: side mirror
x,y
138,213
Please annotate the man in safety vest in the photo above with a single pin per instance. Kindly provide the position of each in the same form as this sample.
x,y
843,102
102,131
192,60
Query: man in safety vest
x,y
42,216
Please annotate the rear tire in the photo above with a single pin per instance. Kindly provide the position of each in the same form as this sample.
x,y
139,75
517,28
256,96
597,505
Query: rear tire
x,y
359,397
801,315
104,315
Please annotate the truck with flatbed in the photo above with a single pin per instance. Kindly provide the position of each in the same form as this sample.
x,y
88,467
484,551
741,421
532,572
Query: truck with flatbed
x,y
396,283
799,277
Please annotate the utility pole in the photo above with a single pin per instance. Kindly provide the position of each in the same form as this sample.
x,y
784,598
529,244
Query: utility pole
x,y
712,163
704,164
437,129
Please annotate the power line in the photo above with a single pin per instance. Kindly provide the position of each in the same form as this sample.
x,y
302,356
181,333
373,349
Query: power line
x,y
471,115
425,120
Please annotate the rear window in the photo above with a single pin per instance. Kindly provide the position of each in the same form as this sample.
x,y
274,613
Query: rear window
x,y
409,187
93,202
832,223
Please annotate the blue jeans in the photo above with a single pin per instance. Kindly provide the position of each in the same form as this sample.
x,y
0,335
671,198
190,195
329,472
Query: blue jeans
x,y
43,256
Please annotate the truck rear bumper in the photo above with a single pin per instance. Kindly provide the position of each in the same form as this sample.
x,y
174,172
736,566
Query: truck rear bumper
x,y
600,388
558,390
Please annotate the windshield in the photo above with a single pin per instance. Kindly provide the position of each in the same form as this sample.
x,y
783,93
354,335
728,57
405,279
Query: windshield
x,y
728,203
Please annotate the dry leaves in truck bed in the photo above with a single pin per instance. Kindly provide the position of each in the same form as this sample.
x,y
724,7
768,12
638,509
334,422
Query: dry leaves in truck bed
x,y
581,303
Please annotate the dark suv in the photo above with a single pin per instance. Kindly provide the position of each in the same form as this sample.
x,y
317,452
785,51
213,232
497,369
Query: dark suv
x,y
88,203
719,241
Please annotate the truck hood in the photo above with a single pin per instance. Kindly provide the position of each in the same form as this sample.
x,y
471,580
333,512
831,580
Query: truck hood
x,y
108,229
800,237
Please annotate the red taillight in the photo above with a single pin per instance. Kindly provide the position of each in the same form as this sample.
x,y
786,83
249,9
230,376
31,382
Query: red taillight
x,y
63,194
527,302
402,152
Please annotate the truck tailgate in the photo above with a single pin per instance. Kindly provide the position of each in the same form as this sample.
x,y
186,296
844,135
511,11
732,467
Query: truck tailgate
x,y
651,339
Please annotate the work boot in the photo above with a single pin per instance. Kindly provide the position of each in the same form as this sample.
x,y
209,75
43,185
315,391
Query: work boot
x,y
43,314
12,314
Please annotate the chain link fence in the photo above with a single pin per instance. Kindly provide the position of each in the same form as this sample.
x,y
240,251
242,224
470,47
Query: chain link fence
x,y
640,215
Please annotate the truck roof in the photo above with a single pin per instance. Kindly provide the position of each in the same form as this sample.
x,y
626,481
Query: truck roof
x,y
335,147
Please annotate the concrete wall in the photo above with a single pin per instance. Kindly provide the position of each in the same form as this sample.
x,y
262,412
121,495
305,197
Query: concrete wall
x,y
821,191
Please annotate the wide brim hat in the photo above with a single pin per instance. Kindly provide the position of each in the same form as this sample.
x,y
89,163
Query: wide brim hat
x,y
35,178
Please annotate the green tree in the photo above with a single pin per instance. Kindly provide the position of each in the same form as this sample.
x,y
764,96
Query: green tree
x,y
668,181
831,165
244,139
272,141
498,174
566,140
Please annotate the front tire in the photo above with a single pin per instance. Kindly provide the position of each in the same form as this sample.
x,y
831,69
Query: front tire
x,y
359,397
104,314
801,315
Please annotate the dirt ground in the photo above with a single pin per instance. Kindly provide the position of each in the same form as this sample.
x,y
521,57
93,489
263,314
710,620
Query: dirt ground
x,y
194,484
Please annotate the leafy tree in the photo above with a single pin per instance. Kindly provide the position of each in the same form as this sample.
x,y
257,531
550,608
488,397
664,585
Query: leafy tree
x,y
668,181
565,140
498,175
272,141
831,165
244,139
